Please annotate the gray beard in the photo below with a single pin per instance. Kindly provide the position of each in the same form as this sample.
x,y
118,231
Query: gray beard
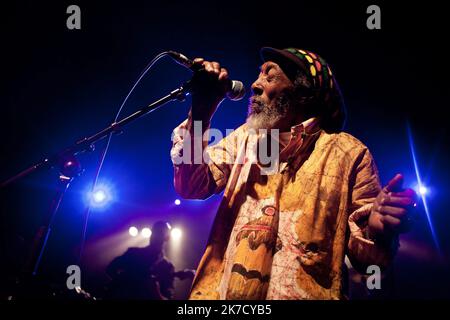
x,y
263,116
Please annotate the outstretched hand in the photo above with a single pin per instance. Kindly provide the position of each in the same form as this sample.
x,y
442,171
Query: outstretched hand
x,y
391,210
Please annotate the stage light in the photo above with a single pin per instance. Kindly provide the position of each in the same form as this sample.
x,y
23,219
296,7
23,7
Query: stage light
x,y
175,233
146,232
133,231
423,190
99,196
177,202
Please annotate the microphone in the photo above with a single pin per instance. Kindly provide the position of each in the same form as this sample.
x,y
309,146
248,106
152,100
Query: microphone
x,y
236,89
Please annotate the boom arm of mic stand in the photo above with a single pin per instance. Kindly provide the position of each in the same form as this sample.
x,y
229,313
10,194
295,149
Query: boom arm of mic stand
x,y
87,143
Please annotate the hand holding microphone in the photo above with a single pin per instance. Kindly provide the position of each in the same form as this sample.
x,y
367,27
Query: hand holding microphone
x,y
210,85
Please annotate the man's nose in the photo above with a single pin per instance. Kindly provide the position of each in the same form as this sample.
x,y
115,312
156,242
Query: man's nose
x,y
257,89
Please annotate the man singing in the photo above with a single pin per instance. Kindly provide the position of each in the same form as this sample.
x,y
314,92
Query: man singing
x,y
284,235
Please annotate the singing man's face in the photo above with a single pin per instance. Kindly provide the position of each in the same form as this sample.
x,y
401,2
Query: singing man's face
x,y
270,106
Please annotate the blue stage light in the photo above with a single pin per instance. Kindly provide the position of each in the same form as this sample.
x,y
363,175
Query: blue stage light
x,y
422,190
101,197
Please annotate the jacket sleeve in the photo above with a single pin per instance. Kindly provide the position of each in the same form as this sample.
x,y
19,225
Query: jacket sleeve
x,y
201,170
363,251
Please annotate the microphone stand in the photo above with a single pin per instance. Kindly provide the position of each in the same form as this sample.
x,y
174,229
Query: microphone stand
x,y
69,167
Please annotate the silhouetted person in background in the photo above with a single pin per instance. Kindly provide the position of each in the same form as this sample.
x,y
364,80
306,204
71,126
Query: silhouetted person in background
x,y
144,273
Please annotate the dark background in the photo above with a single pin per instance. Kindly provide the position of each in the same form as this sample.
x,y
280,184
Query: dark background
x,y
59,85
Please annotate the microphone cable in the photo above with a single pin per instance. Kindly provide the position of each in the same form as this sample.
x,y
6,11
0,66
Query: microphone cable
x,y
105,150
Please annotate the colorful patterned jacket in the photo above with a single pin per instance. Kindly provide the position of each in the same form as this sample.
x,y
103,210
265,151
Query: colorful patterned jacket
x,y
284,235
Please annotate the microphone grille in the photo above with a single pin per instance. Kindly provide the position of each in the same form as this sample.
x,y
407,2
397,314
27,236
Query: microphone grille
x,y
237,91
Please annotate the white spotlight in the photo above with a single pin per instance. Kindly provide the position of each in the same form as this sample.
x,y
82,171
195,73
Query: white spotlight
x,y
177,202
133,231
175,233
146,232
423,190
99,196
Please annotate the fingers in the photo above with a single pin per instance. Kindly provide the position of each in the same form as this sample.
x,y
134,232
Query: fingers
x,y
223,74
392,211
395,212
394,206
387,204
395,224
208,66
405,193
404,199
216,67
390,200
391,222
209,87
395,184
198,61
211,67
